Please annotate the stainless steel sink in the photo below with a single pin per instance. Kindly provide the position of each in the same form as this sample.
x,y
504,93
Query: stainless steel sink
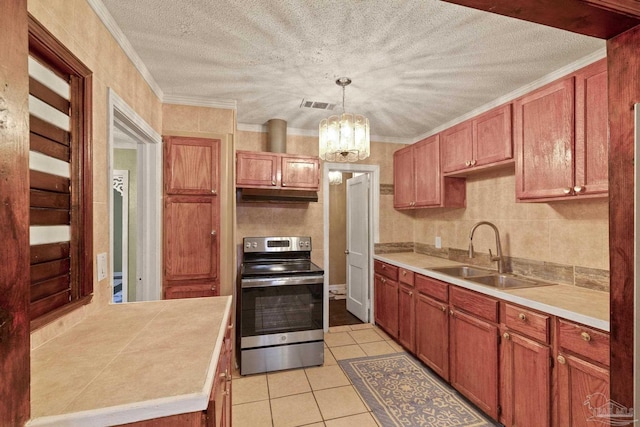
x,y
462,271
505,281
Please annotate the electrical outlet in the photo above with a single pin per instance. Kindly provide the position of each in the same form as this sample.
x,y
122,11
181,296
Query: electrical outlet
x,y
102,266
438,242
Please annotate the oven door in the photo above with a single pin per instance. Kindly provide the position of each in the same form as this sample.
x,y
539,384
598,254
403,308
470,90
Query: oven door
x,y
282,310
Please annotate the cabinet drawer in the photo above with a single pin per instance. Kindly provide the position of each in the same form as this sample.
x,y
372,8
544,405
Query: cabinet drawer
x,y
527,322
387,270
406,276
584,341
433,288
474,303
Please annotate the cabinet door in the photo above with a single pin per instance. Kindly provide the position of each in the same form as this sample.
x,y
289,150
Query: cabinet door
x,y
190,290
386,304
300,172
391,307
379,290
428,179
432,334
492,138
592,130
544,141
526,382
255,169
457,147
190,238
191,165
406,317
403,178
582,388
474,360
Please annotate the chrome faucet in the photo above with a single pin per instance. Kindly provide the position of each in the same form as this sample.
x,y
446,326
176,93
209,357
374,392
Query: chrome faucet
x,y
498,256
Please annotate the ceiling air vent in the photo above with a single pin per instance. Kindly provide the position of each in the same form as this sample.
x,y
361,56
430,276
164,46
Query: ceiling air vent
x,y
317,105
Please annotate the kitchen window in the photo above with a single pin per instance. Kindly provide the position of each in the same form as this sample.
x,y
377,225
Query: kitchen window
x,y
60,175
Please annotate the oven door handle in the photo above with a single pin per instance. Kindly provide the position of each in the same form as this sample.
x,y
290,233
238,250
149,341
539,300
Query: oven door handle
x,y
265,282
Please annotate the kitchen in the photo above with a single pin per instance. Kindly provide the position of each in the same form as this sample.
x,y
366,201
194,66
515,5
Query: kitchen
x,y
116,71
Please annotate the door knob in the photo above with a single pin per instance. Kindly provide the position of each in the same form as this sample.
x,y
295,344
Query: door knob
x,y
346,252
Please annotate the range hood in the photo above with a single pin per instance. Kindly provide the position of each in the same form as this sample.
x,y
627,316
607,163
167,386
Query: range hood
x,y
276,143
275,195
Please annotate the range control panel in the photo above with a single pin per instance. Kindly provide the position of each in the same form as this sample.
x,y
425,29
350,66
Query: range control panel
x,y
276,244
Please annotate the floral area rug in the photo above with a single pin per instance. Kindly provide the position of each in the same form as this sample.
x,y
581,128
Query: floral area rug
x,y
402,392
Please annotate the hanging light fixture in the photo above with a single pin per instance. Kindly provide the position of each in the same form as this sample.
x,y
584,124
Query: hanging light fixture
x,y
344,138
335,178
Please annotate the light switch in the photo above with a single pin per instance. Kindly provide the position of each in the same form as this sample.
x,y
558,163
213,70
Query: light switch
x,y
102,266
438,242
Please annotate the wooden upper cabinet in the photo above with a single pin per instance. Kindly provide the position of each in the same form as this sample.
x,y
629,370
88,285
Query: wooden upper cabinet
x,y
544,135
428,177
275,170
592,131
418,181
457,147
300,172
404,183
191,166
561,138
254,169
478,143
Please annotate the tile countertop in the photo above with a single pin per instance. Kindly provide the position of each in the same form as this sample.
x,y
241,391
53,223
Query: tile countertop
x,y
574,303
130,362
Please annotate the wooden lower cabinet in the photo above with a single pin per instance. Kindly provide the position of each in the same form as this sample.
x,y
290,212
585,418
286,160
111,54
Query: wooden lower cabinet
x,y
525,376
498,354
432,334
582,388
406,317
386,304
473,358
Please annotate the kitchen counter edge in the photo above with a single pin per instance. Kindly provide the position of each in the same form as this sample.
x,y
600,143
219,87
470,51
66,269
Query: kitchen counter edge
x,y
497,293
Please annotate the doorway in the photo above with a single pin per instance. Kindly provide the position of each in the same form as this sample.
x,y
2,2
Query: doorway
x,y
346,259
134,143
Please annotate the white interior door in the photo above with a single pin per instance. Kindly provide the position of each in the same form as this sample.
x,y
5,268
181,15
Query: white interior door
x,y
358,246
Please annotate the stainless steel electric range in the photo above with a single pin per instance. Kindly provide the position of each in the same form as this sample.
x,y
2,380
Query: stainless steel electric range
x,y
280,305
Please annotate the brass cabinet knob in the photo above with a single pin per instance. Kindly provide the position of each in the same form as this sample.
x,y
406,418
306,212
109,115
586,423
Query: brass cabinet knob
x,y
273,183
213,232
284,185
467,163
567,190
404,272
561,359
578,189
473,162
410,294
522,316
451,312
443,308
214,192
506,335
585,336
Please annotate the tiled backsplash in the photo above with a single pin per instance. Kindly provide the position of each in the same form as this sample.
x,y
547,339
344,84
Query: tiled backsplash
x,y
591,278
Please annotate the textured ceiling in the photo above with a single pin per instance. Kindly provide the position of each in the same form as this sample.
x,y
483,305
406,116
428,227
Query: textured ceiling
x,y
415,64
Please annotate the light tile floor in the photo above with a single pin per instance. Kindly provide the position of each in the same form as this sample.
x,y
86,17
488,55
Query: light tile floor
x,y
319,396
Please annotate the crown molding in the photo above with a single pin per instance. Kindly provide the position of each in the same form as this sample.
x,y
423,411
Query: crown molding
x,y
248,127
195,101
551,77
100,9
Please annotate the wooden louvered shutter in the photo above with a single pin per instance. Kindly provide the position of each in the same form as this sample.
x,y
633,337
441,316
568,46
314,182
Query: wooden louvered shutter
x,y
60,175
